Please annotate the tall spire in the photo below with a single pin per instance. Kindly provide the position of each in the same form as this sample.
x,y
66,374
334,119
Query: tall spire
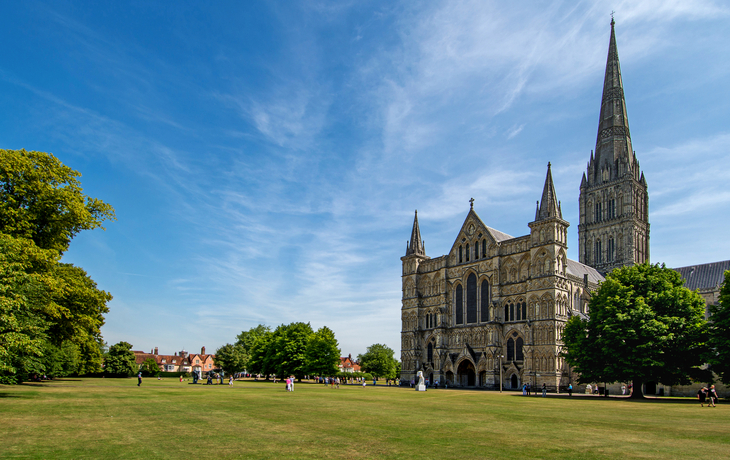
x,y
416,244
549,204
613,141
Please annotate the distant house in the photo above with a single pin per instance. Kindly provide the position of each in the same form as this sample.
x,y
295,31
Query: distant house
x,y
178,362
347,364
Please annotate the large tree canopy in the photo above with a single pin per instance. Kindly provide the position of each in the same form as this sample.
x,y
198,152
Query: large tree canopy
x,y
50,313
643,326
720,333
379,361
41,199
322,354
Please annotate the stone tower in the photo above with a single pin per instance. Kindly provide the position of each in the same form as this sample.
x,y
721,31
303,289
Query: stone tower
x,y
614,200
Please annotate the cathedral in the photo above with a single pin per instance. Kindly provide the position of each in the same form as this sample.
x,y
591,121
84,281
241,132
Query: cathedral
x,y
491,312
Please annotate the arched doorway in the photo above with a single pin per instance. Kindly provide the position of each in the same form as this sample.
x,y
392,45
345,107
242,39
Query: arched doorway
x,y
514,382
466,374
482,378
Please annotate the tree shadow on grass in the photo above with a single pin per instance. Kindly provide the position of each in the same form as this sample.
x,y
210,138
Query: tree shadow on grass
x,y
618,399
12,395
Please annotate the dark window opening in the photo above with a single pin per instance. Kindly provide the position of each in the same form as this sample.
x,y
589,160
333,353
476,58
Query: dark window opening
x,y
459,305
471,299
485,300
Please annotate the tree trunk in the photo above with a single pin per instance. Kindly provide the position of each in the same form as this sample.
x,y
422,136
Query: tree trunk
x,y
637,391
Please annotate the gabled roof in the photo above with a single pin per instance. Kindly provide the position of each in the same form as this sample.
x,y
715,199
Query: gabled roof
x,y
579,270
472,217
704,276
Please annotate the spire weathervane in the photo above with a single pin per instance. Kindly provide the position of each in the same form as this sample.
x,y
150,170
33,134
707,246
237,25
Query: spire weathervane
x,y
612,21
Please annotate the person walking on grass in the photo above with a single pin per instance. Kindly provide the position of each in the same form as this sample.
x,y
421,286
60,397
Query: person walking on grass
x,y
139,378
702,396
570,389
712,396
544,390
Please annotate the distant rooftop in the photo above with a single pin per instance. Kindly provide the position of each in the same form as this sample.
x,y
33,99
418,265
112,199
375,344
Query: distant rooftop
x,y
704,276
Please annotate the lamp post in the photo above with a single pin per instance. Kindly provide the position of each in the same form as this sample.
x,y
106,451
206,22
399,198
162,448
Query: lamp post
x,y
500,372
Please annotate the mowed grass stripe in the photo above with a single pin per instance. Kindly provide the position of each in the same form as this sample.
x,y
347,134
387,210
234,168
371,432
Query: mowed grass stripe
x,y
113,418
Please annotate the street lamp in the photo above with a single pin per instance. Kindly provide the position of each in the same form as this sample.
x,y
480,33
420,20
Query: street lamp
x,y
500,372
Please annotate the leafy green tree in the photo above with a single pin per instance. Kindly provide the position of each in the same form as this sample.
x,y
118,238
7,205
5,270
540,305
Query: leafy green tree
x,y
120,360
245,342
379,361
719,357
150,367
643,326
25,305
47,309
322,353
61,361
41,199
261,358
79,315
289,346
231,358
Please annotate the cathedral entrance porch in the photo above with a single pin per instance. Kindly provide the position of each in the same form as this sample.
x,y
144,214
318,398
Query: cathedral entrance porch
x,y
466,374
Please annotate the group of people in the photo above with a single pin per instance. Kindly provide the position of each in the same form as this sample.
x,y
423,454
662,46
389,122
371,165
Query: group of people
x,y
707,394
527,389
290,383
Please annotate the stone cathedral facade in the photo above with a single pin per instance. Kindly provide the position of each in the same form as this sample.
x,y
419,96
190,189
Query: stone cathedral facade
x,y
492,311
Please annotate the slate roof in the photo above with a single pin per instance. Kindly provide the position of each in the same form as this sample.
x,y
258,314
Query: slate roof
x,y
499,236
704,276
578,269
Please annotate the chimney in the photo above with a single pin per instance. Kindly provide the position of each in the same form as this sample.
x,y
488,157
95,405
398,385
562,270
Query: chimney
x,y
156,351
202,351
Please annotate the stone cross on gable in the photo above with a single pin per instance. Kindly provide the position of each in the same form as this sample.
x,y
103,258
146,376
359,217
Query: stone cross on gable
x,y
472,203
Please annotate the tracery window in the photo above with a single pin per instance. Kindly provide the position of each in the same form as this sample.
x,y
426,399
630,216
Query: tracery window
x,y
459,305
467,252
510,349
485,301
610,250
429,355
519,354
599,254
484,248
460,254
471,299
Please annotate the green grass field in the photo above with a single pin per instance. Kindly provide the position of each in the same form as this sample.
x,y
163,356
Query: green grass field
x,y
113,418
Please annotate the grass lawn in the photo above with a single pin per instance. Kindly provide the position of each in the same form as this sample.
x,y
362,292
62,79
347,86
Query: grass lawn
x,y
113,418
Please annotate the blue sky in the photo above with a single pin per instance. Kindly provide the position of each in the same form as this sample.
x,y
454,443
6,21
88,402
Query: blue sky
x,y
265,158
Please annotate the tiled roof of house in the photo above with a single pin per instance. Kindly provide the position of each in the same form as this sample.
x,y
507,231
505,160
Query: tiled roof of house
x,y
704,276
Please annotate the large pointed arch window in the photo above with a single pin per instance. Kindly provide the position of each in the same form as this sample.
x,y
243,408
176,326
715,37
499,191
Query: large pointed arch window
x,y
429,353
459,304
485,301
471,299
518,352
510,349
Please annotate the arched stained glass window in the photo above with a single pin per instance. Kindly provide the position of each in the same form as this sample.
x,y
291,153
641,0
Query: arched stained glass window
x,y
471,299
519,354
430,352
467,252
484,248
459,305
